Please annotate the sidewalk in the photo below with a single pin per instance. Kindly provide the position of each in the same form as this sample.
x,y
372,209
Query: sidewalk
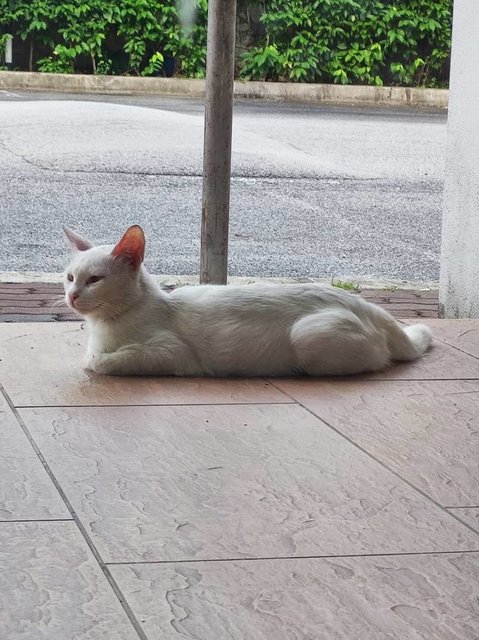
x,y
162,508
40,302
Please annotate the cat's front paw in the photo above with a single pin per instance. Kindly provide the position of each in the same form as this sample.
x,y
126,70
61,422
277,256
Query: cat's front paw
x,y
103,363
93,362
89,361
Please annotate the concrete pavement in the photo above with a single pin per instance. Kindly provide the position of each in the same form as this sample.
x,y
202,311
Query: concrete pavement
x,y
317,191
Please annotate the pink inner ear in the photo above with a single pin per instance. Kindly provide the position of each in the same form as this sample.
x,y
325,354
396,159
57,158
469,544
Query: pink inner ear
x,y
131,247
77,242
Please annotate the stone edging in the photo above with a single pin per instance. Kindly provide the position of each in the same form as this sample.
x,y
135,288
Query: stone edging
x,y
39,277
287,91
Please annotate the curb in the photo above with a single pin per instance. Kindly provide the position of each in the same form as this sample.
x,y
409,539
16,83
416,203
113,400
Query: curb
x,y
280,91
39,277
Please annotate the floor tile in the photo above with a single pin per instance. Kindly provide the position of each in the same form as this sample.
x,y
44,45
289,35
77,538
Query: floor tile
x,y
176,483
26,491
51,588
442,362
468,515
463,334
58,377
426,431
363,598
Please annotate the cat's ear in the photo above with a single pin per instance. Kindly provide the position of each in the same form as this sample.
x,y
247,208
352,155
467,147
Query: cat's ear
x,y
131,247
77,242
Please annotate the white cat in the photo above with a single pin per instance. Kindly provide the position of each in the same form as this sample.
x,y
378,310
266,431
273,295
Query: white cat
x,y
135,328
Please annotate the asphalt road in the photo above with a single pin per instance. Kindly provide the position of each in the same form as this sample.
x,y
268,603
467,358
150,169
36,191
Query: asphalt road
x,y
316,190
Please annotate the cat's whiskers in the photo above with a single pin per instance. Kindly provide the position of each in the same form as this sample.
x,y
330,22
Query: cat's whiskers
x,y
58,301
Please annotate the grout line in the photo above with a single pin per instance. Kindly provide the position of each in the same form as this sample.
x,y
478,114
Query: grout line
x,y
37,520
452,379
291,400
358,379
453,346
464,507
385,466
313,557
459,378
76,519
177,404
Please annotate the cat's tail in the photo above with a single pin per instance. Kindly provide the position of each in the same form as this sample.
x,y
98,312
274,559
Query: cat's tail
x,y
410,342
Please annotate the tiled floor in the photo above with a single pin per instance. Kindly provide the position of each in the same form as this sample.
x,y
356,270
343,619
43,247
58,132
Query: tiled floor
x,y
237,509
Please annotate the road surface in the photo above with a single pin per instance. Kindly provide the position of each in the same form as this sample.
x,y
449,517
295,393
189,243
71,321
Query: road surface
x,y
317,191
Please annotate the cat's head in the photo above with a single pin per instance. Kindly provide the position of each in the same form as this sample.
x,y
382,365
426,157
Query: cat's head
x,y
103,281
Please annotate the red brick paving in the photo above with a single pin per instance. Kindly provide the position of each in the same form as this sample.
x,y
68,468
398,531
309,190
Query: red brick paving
x,y
37,303
33,303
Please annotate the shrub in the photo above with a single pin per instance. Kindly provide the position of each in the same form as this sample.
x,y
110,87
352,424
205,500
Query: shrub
x,y
106,36
378,42
403,42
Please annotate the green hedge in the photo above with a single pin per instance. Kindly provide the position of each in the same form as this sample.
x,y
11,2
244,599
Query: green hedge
x,y
107,36
406,42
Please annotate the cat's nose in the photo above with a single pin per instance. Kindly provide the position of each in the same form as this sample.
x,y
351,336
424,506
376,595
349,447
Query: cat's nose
x,y
73,297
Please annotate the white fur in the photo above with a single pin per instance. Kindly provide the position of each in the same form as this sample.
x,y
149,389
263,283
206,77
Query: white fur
x,y
135,328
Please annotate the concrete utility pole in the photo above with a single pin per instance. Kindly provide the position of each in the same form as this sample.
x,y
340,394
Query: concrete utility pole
x,y
217,149
459,286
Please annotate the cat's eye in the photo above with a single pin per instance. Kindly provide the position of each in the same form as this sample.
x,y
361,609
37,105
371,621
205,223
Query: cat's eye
x,y
70,277
94,279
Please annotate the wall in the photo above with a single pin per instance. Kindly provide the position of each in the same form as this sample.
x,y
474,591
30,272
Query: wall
x,y
459,286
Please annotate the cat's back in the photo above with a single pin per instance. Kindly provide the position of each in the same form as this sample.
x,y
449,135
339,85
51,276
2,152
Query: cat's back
x,y
247,329
261,296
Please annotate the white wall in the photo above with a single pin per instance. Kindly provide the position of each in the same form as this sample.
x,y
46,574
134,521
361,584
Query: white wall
x,y
459,286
